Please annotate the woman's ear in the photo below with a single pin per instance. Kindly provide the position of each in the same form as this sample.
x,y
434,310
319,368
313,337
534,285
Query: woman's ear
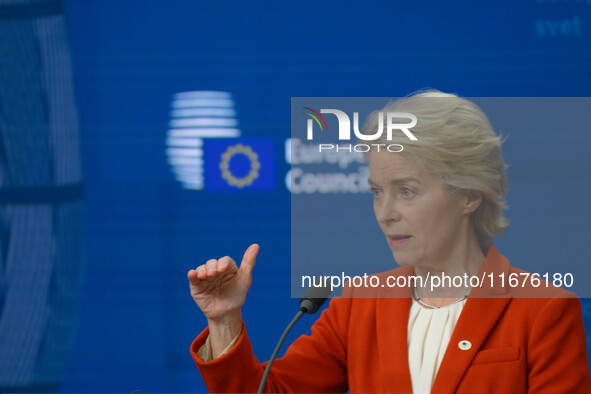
x,y
472,201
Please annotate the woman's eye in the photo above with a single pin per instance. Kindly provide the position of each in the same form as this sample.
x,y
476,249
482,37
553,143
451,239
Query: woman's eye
x,y
376,192
406,192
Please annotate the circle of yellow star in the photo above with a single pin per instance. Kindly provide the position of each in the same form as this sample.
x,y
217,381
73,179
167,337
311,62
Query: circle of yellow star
x,y
253,158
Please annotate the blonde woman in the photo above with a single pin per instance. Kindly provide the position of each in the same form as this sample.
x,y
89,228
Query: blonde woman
x,y
438,203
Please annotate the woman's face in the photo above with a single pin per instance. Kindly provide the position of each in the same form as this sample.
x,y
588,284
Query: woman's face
x,y
424,225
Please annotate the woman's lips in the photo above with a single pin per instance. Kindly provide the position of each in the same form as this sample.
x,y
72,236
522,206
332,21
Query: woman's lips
x,y
398,239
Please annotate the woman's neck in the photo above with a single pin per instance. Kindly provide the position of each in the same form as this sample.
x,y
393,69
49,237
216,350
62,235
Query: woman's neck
x,y
461,263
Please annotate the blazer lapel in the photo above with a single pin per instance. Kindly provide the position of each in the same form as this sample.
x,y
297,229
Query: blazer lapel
x,y
393,307
482,310
475,323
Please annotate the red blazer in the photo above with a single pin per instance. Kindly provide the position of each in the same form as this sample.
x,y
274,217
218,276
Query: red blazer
x,y
519,345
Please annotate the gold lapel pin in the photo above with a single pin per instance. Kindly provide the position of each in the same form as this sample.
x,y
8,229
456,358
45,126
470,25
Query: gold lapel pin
x,y
464,345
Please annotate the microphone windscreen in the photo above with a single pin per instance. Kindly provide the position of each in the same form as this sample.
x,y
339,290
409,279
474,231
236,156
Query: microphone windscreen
x,y
313,298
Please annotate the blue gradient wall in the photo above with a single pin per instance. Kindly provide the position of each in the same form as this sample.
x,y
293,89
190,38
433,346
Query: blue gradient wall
x,y
144,231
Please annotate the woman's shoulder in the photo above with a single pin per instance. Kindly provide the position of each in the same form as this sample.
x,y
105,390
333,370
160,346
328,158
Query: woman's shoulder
x,y
524,284
500,278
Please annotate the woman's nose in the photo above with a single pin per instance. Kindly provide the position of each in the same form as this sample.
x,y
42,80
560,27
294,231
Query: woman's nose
x,y
387,210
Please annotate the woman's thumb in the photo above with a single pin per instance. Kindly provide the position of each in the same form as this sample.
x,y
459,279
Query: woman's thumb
x,y
249,259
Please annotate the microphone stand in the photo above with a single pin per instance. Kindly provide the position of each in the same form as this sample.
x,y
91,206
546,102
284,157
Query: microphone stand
x,y
272,359
310,302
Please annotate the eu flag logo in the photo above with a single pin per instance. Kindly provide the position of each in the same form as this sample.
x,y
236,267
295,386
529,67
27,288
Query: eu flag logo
x,y
239,164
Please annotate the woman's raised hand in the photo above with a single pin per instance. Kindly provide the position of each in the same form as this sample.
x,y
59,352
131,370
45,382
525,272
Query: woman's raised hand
x,y
219,287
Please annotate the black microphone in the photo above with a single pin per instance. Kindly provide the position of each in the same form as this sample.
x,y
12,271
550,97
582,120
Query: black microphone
x,y
310,302
313,299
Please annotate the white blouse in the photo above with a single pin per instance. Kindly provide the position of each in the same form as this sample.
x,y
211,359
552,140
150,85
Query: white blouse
x,y
429,332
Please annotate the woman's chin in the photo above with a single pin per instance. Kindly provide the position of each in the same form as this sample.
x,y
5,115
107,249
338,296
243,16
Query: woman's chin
x,y
402,259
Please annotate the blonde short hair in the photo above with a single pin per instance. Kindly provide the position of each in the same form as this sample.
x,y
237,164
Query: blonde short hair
x,y
455,142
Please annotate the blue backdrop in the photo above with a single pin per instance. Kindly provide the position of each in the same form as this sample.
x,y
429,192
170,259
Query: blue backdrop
x,y
144,231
